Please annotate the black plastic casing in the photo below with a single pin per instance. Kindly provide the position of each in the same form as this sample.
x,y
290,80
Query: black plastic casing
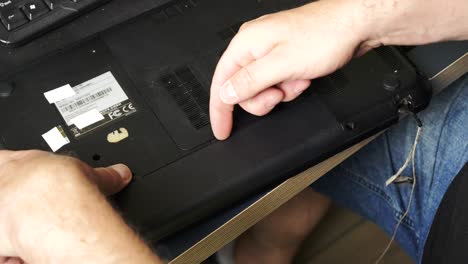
x,y
182,174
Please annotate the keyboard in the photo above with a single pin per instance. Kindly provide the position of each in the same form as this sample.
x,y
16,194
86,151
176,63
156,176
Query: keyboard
x,y
23,20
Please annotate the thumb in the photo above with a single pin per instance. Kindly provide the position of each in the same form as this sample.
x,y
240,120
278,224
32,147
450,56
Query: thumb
x,y
112,179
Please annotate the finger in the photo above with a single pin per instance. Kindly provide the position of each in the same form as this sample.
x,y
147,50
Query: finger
x,y
255,77
112,179
293,89
263,102
221,113
246,47
246,83
221,118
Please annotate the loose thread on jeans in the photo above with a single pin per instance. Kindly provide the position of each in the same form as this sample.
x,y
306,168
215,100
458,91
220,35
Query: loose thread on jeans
x,y
411,158
408,159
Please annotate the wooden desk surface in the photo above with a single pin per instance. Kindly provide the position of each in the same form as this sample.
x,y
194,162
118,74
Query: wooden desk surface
x,y
262,208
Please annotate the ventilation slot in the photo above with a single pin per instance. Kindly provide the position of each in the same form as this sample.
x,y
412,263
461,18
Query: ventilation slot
x,y
189,94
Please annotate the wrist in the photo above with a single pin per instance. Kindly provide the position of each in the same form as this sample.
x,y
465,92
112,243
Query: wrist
x,y
349,18
414,22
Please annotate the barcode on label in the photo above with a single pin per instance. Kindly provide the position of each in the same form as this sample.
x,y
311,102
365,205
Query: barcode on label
x,y
97,101
87,100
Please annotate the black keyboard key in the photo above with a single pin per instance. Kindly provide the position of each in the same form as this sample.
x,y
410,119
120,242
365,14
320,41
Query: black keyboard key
x,y
8,4
35,8
13,18
51,3
26,19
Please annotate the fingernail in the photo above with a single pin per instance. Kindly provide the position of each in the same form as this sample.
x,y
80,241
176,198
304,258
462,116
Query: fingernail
x,y
228,94
123,171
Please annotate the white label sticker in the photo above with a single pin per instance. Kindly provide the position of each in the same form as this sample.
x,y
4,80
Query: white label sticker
x,y
99,93
56,138
59,94
97,102
87,119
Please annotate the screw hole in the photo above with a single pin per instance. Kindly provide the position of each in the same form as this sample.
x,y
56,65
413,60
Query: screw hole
x,y
96,157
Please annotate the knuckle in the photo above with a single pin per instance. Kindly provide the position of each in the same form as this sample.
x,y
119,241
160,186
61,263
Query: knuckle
x,y
256,25
55,170
243,82
267,16
34,152
246,26
31,153
260,26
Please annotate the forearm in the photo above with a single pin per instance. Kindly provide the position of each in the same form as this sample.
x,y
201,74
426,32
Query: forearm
x,y
413,22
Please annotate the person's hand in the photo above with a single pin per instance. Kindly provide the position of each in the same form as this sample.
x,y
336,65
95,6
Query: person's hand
x,y
52,211
272,59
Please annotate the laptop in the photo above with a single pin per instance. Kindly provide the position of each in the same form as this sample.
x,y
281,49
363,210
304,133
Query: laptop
x,y
128,82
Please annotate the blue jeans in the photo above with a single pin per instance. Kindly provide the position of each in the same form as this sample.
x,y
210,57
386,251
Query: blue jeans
x,y
359,183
